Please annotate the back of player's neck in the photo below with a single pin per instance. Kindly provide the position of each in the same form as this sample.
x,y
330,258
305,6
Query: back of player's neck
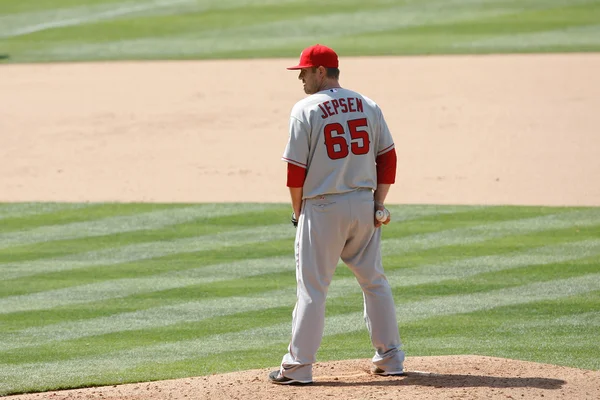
x,y
331,85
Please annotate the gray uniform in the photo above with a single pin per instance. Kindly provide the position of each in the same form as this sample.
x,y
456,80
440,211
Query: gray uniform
x,y
336,134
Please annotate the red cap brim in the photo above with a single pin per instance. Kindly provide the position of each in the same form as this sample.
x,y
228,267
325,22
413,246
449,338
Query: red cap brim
x,y
298,67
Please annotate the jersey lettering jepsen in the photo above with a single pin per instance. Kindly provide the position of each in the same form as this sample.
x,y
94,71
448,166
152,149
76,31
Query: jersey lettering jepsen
x,y
337,134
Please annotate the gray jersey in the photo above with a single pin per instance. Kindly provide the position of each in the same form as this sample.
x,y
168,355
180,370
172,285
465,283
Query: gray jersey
x,y
337,134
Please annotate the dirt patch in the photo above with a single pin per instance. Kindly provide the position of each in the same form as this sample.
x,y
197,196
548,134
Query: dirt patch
x,y
457,377
468,130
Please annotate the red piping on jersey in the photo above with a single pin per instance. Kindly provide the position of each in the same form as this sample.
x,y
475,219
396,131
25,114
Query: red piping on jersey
x,y
289,160
386,167
295,176
386,149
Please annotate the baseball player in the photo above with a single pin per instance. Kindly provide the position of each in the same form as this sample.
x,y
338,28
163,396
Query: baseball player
x,y
341,162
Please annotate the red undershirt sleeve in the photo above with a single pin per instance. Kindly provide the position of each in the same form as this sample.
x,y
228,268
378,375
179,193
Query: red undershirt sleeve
x,y
386,167
295,175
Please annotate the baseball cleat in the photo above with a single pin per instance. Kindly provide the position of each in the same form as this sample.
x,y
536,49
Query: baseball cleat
x,y
379,371
277,378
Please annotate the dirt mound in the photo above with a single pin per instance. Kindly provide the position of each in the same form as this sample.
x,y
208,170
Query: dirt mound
x,y
448,377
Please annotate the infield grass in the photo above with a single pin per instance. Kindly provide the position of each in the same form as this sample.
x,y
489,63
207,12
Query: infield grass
x,y
98,294
66,30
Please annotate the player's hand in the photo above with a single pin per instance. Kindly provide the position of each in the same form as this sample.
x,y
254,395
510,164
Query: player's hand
x,y
378,222
294,220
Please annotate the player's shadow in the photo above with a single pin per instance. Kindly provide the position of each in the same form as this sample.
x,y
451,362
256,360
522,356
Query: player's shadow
x,y
454,381
4,56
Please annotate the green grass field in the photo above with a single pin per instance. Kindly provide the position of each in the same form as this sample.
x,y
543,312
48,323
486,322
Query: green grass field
x,y
97,294
63,30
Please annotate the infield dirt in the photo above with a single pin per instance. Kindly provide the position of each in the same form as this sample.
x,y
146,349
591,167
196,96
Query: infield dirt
x,y
469,130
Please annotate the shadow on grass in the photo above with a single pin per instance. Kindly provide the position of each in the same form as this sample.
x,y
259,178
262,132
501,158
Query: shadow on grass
x,y
454,381
4,56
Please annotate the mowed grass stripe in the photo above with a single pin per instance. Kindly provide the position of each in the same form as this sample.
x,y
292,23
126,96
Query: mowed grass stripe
x,y
92,346
145,251
427,274
119,362
15,210
560,331
580,36
479,233
126,287
149,319
417,211
265,32
121,224
408,244
187,29
271,34
92,211
29,22
589,320
472,266
15,24
30,7
571,323
570,333
475,302
197,311
484,232
118,255
101,224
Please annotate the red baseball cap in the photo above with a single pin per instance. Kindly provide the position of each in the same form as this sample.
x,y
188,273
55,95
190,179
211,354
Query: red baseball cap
x,y
317,56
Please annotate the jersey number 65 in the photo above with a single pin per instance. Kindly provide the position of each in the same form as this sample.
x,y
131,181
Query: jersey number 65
x,y
336,143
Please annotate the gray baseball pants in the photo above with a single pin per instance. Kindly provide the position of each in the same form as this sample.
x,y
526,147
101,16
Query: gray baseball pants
x,y
331,227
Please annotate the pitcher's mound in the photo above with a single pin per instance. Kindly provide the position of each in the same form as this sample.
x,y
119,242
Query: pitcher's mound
x,y
448,377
